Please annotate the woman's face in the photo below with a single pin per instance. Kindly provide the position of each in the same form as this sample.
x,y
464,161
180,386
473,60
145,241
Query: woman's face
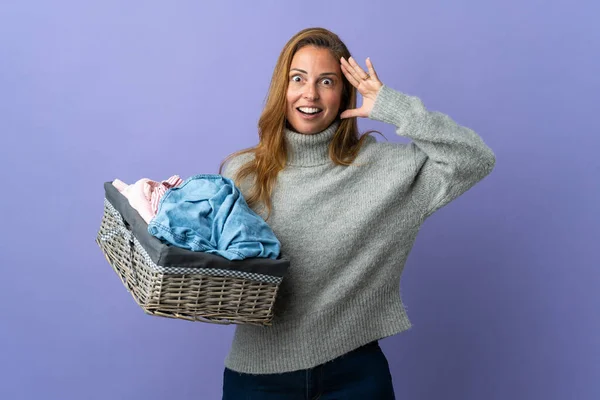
x,y
315,90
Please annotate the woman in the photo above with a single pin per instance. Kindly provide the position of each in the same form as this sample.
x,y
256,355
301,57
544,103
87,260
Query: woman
x,y
346,210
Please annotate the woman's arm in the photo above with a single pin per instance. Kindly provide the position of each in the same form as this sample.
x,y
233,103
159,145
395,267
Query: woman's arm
x,y
449,159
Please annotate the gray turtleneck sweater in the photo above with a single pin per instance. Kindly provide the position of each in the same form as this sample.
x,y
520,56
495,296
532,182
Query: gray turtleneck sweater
x,y
348,230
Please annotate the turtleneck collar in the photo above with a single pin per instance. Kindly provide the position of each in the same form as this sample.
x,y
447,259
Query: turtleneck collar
x,y
309,150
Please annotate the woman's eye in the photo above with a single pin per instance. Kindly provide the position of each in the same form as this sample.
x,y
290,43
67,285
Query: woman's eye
x,y
327,81
296,78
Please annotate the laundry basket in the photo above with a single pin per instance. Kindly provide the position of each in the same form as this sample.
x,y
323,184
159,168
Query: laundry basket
x,y
172,282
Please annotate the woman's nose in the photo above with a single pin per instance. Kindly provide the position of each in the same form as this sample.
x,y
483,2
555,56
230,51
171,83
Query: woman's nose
x,y
311,92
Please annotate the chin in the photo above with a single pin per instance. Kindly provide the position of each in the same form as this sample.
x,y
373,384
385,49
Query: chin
x,y
309,128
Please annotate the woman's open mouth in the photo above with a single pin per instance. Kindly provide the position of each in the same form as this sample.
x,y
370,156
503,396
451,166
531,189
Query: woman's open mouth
x,y
309,112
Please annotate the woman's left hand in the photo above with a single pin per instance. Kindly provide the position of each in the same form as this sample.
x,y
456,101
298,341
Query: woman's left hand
x,y
368,85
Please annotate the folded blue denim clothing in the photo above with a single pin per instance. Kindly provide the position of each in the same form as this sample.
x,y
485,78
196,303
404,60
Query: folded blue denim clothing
x,y
208,213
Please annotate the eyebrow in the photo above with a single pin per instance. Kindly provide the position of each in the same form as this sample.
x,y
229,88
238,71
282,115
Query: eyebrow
x,y
304,72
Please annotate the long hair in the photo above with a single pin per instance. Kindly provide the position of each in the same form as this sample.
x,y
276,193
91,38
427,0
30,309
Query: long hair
x,y
270,154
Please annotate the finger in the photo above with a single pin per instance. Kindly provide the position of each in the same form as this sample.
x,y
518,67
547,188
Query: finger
x,y
351,71
361,72
371,69
353,81
350,113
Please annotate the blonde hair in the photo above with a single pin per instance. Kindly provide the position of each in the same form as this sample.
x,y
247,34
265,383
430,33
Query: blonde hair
x,y
270,153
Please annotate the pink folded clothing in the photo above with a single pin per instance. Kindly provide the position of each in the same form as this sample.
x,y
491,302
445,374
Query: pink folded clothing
x,y
145,194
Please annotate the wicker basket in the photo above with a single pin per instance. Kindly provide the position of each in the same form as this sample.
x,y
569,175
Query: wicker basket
x,y
233,295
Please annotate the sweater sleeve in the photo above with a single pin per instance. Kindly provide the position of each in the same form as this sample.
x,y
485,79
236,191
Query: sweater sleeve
x,y
233,165
448,158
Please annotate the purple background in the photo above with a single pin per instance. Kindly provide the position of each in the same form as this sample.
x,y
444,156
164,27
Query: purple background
x,y
501,286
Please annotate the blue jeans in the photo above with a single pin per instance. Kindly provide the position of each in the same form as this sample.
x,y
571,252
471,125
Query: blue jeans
x,y
360,374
